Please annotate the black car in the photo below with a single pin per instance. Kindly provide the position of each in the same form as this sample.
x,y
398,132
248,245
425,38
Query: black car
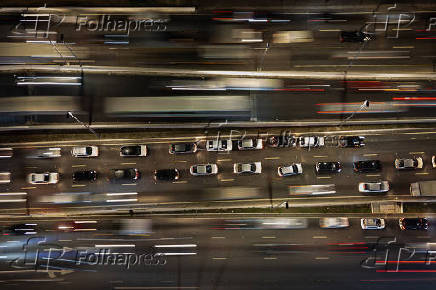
x,y
126,174
183,148
351,141
133,150
367,166
87,175
354,36
328,167
171,174
413,224
282,141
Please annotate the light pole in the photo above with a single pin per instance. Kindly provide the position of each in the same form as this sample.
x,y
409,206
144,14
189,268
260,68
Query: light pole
x,y
364,105
70,115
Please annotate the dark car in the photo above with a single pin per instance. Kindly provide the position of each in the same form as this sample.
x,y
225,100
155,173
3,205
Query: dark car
x,y
282,141
351,141
171,174
367,166
133,150
183,148
126,174
21,229
328,167
354,36
87,175
413,224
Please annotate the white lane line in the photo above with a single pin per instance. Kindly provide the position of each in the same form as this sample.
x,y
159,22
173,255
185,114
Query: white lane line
x,y
176,246
329,30
128,163
182,181
78,185
370,154
227,180
320,156
271,158
416,153
322,258
270,258
115,246
129,184
319,237
403,47
422,173
323,177
219,258
78,165
29,187
223,160
268,237
218,237
373,175
182,161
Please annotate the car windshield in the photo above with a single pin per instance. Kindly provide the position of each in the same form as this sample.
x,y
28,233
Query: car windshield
x,y
247,143
181,147
374,186
88,150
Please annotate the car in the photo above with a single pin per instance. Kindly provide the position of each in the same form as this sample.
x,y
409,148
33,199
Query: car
x,y
409,163
433,161
125,174
354,36
253,168
334,222
219,145
250,144
367,166
77,226
311,141
171,174
6,153
43,178
86,175
379,186
183,148
351,141
282,141
46,153
21,229
413,224
328,167
372,224
289,170
133,150
203,169
85,151
5,177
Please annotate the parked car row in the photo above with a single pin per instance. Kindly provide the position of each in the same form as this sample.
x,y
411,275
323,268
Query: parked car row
x,y
374,223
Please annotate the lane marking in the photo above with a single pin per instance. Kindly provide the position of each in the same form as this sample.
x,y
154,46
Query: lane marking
x,y
371,237
182,161
29,187
370,154
271,158
323,177
373,175
319,237
227,180
320,156
218,237
422,173
223,160
78,185
322,258
79,165
219,258
182,181
129,184
416,152
329,30
128,163
269,258
268,237
403,47
30,167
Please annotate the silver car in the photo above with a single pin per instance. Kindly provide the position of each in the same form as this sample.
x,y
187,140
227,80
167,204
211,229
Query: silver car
x,y
219,145
253,168
293,169
203,169
250,144
379,186
372,224
43,178
85,151
409,163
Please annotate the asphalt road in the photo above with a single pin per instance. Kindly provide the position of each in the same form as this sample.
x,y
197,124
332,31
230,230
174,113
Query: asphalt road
x,y
230,253
225,186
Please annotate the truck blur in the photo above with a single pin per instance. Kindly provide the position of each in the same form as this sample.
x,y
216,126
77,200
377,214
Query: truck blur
x,y
423,188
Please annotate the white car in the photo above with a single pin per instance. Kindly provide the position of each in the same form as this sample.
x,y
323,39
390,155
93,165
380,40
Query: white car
x,y
334,222
5,177
250,144
43,178
311,141
85,151
253,168
409,163
290,170
219,145
433,161
372,224
203,169
380,186
133,151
